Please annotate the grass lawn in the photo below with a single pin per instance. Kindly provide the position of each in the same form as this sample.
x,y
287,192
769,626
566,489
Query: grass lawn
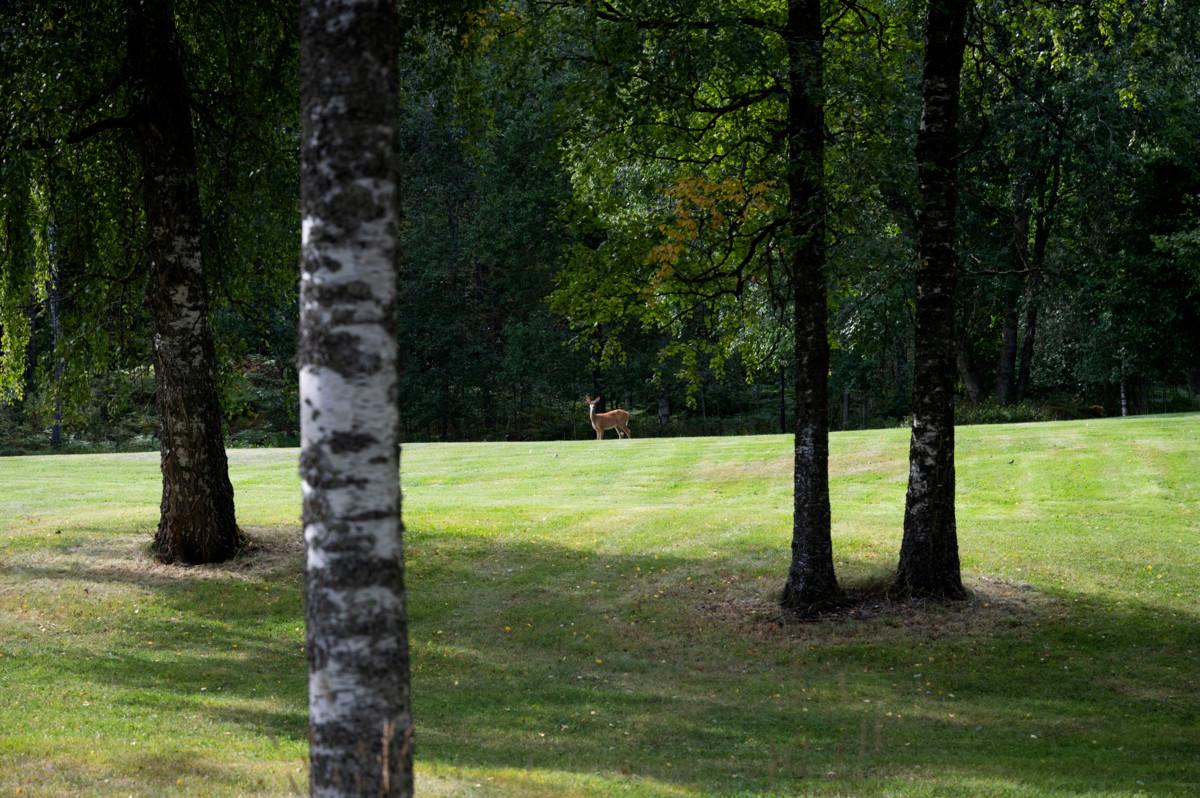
x,y
598,619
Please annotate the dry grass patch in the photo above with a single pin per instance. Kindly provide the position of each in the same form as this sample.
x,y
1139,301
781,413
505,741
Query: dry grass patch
x,y
994,606
117,559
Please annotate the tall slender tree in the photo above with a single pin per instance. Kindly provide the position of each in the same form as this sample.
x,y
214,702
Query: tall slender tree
x,y
929,551
197,523
100,103
360,723
811,582
736,135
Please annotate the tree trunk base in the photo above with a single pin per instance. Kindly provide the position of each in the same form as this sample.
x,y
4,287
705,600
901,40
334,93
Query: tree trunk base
x,y
808,599
198,547
939,587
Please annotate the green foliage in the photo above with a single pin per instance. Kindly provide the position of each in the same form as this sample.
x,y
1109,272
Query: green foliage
x,y
595,200
16,285
115,412
482,190
993,412
683,195
70,212
1081,121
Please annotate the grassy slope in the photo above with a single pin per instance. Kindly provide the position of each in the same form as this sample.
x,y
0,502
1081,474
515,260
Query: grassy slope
x,y
596,619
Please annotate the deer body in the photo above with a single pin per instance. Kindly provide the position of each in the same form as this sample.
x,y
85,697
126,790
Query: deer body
x,y
613,419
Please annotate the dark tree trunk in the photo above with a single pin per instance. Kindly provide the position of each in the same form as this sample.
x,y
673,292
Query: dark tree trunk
x,y
197,524
966,373
1007,365
54,305
1006,369
1024,372
360,723
598,387
54,300
1139,396
811,583
929,551
1033,284
664,412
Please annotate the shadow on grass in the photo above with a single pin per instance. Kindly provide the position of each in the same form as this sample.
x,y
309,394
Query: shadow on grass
x,y
681,672
203,646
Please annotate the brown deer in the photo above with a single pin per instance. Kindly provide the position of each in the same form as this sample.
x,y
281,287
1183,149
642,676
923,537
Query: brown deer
x,y
618,419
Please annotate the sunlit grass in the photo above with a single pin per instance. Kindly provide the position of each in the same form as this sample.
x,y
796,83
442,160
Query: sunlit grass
x,y
591,619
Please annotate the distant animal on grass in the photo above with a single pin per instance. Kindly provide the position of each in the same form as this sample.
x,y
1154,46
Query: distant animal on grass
x,y
613,419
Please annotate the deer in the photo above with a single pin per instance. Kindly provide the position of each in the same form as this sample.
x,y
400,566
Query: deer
x,y
613,419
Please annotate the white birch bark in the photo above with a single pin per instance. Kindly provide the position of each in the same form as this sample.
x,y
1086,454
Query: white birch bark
x,y
360,725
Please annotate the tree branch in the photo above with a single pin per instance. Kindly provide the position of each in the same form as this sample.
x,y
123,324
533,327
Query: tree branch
x,y
605,10
82,134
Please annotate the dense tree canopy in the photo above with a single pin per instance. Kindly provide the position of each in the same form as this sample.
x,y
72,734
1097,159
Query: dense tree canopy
x,y
595,200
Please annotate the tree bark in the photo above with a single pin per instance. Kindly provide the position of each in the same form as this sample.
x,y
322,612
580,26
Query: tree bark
x,y
597,381
54,301
359,711
54,304
966,373
811,583
197,522
1007,365
929,551
1006,369
1033,284
1025,370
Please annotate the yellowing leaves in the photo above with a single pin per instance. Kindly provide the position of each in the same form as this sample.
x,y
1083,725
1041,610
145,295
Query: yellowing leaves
x,y
486,25
702,206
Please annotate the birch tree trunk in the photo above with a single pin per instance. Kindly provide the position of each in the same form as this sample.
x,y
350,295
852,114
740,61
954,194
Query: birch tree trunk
x,y
359,718
811,583
197,522
929,551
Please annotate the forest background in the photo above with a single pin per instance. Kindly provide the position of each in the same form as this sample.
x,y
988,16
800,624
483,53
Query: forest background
x,y
594,204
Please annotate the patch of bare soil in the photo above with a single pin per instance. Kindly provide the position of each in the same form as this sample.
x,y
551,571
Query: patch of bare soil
x,y
992,607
